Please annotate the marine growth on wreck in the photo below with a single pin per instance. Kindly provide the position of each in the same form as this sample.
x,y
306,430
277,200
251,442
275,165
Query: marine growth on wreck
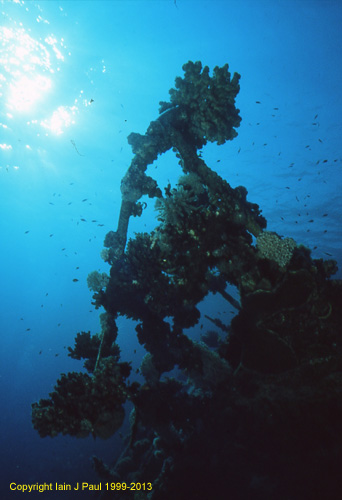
x,y
257,415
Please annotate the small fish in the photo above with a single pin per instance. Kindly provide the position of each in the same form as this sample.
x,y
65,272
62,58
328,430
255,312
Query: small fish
x,y
85,199
83,220
62,249
276,109
50,203
325,215
325,161
100,225
311,220
257,102
239,150
75,280
327,253
46,294
316,116
28,329
287,187
26,232
320,140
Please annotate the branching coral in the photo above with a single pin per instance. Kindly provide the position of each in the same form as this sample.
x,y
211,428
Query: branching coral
x,y
81,404
206,104
97,281
86,347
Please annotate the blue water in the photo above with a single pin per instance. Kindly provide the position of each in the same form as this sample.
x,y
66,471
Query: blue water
x,y
76,78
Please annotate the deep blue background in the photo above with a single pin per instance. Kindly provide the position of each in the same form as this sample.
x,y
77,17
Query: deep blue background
x,y
125,55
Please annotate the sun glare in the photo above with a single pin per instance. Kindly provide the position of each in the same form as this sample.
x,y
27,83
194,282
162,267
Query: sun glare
x,y
61,118
27,68
26,91
36,98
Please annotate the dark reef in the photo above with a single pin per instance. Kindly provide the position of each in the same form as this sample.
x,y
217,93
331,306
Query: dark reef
x,y
259,415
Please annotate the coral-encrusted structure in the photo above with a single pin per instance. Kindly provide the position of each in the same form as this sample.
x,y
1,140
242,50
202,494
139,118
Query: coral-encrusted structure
x,y
255,415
